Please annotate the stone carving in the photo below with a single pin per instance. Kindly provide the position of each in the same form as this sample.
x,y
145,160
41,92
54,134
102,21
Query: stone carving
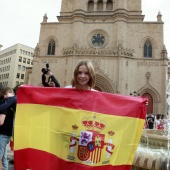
x,y
148,75
37,50
76,50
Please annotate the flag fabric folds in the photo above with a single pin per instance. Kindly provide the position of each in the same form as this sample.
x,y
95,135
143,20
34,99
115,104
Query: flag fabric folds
x,y
61,128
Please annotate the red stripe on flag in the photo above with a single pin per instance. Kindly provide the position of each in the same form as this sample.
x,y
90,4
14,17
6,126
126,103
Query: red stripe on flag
x,y
105,103
40,160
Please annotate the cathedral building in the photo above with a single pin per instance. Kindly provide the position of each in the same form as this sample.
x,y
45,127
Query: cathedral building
x,y
128,53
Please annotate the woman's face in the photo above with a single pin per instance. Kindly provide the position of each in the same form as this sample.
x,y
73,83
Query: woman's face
x,y
83,76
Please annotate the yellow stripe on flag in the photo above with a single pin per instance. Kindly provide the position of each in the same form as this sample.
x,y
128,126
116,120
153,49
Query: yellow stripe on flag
x,y
51,129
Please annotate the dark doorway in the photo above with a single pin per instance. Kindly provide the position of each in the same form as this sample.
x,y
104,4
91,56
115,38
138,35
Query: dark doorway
x,y
150,102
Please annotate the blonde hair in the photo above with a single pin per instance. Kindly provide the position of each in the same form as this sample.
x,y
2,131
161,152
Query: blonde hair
x,y
90,68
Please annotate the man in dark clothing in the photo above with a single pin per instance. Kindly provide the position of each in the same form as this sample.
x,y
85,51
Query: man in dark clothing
x,y
51,81
150,121
7,110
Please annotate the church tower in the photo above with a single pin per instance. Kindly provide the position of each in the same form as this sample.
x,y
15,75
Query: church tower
x,y
127,52
72,6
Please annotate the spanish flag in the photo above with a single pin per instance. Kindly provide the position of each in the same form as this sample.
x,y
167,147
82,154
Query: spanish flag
x,y
68,129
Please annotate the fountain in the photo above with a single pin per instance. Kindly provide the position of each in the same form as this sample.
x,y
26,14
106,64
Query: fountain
x,y
153,152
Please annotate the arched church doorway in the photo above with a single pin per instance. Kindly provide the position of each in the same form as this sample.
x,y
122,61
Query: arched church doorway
x,y
103,84
149,107
97,88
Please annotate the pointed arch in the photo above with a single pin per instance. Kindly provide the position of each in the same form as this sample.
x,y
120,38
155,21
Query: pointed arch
x,y
152,91
103,84
50,44
147,52
153,96
90,5
148,45
51,47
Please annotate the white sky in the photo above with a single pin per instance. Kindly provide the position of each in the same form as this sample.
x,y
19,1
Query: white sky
x,y
20,19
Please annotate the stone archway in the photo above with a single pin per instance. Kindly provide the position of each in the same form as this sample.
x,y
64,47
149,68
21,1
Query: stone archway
x,y
152,95
103,84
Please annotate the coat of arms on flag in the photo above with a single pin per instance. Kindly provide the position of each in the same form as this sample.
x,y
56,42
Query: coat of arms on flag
x,y
91,142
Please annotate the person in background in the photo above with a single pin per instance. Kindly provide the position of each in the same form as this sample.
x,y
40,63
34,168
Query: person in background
x,y
161,125
150,121
7,110
83,76
48,80
157,120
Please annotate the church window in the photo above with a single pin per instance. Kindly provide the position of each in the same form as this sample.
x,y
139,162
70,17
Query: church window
x,y
51,48
90,6
98,40
148,49
109,5
100,5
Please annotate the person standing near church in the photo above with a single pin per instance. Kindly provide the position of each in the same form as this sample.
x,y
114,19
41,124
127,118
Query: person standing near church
x,y
83,77
150,121
7,110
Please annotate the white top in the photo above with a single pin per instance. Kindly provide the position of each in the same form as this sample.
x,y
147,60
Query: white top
x,y
70,86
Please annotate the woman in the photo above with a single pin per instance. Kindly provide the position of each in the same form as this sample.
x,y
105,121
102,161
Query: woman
x,y
84,76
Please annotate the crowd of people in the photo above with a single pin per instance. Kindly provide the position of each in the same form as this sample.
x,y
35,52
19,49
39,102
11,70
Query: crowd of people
x,y
158,121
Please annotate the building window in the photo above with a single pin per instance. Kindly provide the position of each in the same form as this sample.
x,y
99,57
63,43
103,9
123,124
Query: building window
x,y
147,49
90,6
100,5
19,67
51,48
23,68
22,76
98,40
28,61
18,75
17,83
109,5
24,60
20,51
20,59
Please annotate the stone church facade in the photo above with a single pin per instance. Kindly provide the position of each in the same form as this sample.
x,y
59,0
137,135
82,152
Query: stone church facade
x,y
127,52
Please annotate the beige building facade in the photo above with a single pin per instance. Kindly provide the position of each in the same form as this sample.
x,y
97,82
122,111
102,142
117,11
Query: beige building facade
x,y
13,63
127,52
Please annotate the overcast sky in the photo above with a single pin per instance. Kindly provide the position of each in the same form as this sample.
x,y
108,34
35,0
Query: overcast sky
x,y
20,19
